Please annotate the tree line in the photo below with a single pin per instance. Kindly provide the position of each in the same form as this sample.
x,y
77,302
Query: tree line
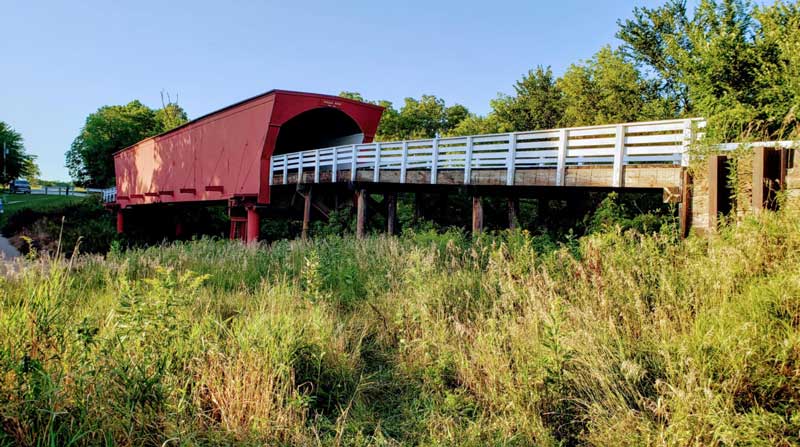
x,y
16,161
736,64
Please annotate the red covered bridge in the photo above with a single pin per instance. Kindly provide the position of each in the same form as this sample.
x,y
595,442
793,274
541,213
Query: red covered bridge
x,y
257,155
226,155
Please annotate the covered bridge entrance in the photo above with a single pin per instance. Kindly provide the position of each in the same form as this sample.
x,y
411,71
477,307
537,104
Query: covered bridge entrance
x,y
225,156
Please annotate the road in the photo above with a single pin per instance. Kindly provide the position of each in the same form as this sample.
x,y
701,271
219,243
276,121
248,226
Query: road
x,y
7,250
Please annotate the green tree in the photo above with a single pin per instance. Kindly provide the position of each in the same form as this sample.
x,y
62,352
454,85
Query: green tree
x,y
537,104
652,39
727,61
779,95
16,161
112,128
607,89
477,125
418,118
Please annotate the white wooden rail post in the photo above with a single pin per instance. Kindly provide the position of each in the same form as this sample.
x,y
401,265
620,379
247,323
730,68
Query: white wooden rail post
x,y
435,161
376,176
271,171
468,162
404,162
563,142
335,164
316,166
300,167
353,164
511,160
687,141
619,157
285,169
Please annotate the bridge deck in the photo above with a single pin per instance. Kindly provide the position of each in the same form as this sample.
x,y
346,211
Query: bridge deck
x,y
639,176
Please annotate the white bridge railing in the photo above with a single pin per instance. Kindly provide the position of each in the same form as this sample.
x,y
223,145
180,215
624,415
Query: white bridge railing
x,y
658,142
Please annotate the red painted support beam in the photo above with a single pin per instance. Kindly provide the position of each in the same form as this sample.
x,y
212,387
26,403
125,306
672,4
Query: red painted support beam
x,y
120,222
253,225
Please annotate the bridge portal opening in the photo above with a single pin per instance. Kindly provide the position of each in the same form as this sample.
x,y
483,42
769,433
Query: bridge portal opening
x,y
317,128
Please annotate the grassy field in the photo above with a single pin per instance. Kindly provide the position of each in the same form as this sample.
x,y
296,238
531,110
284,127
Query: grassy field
x,y
15,202
427,339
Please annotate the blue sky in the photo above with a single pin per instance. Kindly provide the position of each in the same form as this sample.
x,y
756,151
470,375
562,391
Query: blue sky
x,y
63,60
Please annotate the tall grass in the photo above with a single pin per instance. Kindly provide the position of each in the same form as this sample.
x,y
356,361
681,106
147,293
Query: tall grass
x,y
615,339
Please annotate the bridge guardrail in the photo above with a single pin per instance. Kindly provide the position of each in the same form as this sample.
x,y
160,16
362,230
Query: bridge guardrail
x,y
618,145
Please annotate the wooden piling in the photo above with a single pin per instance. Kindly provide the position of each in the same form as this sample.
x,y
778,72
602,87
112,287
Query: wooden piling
x,y
306,214
719,194
419,206
477,215
686,200
391,213
513,212
361,213
768,176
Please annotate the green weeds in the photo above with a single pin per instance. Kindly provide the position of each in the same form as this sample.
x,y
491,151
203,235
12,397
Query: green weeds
x,y
615,338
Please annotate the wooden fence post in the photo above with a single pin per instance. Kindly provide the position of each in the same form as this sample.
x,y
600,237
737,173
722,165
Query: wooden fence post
x,y
511,160
561,166
617,177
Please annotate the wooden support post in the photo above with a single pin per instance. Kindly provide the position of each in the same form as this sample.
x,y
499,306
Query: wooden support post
x,y
419,206
477,215
178,229
759,188
253,225
767,167
685,206
513,212
306,214
120,222
718,191
361,213
391,213
784,168
542,208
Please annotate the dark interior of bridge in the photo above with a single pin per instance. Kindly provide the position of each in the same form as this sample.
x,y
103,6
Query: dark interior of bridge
x,y
317,128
